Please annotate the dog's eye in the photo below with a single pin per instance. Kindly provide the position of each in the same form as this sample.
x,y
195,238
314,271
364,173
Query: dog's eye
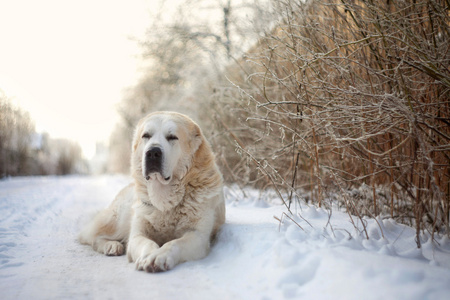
x,y
172,137
146,136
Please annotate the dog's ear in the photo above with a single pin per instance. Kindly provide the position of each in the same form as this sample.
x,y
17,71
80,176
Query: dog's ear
x,y
203,171
196,138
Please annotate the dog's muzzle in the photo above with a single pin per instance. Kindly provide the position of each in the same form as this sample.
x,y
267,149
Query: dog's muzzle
x,y
153,161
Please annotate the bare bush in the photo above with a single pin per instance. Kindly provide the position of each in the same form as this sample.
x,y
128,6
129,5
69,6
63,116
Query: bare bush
x,y
349,100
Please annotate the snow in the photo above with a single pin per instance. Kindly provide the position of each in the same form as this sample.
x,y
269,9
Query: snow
x,y
254,257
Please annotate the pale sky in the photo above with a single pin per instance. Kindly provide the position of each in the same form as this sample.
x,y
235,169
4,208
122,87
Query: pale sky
x,y
67,62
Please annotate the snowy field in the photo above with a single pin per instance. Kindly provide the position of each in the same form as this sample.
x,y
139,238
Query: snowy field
x,y
254,257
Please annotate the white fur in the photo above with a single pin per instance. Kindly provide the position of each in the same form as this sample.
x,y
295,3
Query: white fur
x,y
159,129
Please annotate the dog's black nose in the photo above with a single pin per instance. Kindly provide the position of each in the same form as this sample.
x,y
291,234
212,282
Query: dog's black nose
x,y
154,153
153,161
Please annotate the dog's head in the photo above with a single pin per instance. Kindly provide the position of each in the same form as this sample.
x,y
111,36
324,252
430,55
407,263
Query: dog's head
x,y
163,146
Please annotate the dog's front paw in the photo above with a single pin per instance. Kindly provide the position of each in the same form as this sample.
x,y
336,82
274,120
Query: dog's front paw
x,y
162,259
143,262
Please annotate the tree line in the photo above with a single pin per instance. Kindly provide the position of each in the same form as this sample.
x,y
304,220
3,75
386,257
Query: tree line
x,y
25,152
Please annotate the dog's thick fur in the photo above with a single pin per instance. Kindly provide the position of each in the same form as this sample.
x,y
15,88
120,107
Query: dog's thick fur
x,y
170,215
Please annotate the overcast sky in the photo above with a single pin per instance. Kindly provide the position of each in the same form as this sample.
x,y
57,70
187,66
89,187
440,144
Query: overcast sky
x,y
67,62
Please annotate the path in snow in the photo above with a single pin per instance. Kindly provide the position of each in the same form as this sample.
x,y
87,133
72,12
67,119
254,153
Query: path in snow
x,y
253,258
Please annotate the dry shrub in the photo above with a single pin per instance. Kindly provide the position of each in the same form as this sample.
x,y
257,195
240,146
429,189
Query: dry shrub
x,y
348,100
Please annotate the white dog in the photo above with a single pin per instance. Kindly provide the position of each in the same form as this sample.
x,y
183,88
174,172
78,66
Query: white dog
x,y
175,206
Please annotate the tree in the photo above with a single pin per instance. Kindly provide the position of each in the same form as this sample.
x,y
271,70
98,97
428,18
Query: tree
x,y
16,132
25,152
185,58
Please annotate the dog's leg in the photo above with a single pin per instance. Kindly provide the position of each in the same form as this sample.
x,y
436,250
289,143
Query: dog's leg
x,y
139,246
103,237
139,250
102,234
191,246
109,229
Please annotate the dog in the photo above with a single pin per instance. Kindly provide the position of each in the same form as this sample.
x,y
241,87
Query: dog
x,y
174,208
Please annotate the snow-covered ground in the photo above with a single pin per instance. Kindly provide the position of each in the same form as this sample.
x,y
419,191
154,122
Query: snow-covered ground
x,y
255,257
